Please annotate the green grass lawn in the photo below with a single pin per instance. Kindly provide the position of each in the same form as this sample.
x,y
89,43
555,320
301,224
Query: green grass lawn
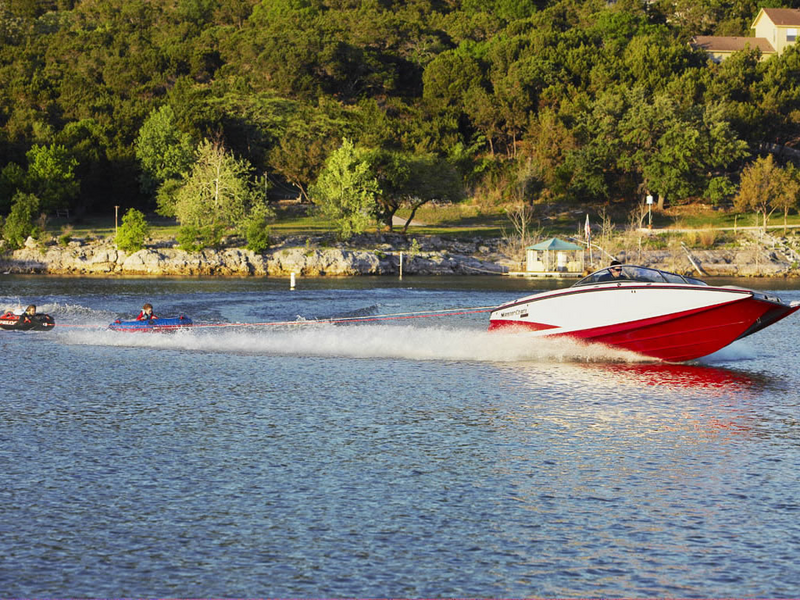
x,y
459,220
699,218
103,227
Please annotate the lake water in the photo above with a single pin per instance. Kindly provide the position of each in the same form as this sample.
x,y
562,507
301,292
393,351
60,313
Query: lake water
x,y
405,457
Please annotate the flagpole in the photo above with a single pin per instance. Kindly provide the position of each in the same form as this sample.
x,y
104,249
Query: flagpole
x,y
588,232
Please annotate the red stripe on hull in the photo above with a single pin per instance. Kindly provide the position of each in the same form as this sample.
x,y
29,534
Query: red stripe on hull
x,y
529,325
676,337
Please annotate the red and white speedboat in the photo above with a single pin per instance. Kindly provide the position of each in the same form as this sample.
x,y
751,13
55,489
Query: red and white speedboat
x,y
654,313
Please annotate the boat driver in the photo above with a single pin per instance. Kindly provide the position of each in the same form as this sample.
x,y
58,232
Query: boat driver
x,y
147,313
614,272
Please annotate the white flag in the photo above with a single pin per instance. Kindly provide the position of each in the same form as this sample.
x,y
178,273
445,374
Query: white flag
x,y
588,231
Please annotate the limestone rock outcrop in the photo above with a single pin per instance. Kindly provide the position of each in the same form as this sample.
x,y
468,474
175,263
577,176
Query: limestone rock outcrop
x,y
102,258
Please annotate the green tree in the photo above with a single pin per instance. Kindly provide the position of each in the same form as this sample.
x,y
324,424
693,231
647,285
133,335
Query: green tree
x,y
346,189
720,189
12,179
89,144
447,78
217,192
764,188
299,160
19,224
789,196
307,139
778,95
51,176
165,153
672,149
734,84
412,180
133,231
484,112
591,166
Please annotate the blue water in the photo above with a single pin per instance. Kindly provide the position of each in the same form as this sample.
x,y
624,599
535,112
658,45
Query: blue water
x,y
413,457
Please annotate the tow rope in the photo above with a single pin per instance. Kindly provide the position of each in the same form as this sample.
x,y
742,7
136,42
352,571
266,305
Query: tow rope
x,y
371,318
449,312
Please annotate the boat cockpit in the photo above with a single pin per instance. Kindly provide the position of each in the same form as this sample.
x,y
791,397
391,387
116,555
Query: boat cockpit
x,y
622,273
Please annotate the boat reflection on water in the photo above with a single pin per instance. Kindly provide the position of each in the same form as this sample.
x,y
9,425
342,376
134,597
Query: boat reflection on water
x,y
674,375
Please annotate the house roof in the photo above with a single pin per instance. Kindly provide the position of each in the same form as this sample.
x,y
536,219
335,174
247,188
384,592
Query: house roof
x,y
712,43
782,17
555,244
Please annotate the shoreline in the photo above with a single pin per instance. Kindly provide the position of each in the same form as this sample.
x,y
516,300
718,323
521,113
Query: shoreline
x,y
367,255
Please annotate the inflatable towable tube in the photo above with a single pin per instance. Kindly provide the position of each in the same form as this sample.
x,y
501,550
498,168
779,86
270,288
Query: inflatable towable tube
x,y
152,325
38,322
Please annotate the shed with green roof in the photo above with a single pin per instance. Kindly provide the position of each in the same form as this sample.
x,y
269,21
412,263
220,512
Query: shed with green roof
x,y
555,256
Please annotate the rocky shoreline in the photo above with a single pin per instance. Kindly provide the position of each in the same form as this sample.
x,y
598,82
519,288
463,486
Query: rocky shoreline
x,y
309,257
377,254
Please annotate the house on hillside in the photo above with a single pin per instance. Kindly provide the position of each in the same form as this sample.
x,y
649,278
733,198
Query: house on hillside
x,y
774,29
778,26
720,47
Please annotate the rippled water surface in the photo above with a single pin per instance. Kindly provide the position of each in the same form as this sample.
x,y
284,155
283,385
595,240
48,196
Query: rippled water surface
x,y
414,456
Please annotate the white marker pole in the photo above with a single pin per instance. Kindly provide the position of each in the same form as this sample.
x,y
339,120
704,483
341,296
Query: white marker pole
x,y
291,281
401,265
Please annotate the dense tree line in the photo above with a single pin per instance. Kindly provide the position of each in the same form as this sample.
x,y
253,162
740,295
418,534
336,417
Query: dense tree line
x,y
130,102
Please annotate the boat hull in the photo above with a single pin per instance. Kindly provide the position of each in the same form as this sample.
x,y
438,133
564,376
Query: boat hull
x,y
152,325
670,322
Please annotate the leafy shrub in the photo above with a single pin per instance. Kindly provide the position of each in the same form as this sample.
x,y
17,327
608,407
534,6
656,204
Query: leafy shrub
x,y
211,236
256,230
414,249
133,231
188,239
19,224
257,237
194,239
66,236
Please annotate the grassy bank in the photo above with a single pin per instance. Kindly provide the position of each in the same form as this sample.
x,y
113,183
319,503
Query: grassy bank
x,y
697,226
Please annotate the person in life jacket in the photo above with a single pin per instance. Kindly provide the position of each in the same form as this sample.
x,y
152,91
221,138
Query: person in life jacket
x,y
147,313
30,312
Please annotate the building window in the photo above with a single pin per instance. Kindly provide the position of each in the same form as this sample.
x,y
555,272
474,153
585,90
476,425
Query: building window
x,y
791,35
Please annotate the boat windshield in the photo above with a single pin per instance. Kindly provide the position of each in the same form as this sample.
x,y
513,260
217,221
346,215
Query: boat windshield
x,y
617,273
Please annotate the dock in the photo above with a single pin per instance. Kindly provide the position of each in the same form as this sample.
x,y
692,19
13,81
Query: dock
x,y
544,274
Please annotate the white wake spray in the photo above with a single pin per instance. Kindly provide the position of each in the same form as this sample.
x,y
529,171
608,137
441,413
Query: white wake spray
x,y
367,341
738,350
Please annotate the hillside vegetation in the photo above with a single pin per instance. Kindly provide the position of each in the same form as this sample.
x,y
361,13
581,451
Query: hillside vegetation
x,y
206,110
